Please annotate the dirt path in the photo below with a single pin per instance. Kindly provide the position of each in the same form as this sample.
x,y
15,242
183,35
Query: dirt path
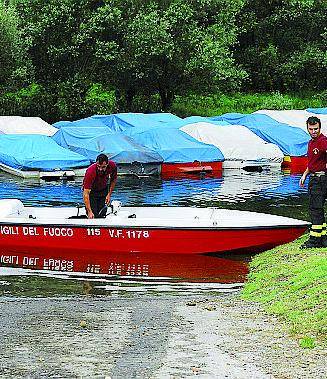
x,y
148,336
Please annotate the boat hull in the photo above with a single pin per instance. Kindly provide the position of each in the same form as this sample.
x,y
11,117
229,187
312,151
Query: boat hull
x,y
155,240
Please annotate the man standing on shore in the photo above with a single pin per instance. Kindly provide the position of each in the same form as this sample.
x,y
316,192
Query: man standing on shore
x,y
317,162
99,182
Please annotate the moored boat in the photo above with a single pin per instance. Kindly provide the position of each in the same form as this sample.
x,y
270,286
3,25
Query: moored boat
x,y
152,230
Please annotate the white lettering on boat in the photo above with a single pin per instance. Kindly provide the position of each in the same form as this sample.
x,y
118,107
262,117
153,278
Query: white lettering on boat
x,y
58,232
93,268
9,259
30,231
132,234
128,269
9,230
58,264
30,261
93,231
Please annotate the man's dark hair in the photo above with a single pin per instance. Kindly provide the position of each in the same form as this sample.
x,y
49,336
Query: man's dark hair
x,y
313,120
102,158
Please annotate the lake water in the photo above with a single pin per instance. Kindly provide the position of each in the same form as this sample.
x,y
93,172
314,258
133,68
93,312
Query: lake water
x,y
267,191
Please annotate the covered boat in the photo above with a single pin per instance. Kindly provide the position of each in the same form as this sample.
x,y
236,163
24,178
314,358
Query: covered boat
x,y
38,156
292,141
121,121
25,125
295,117
132,230
318,111
240,146
130,157
181,153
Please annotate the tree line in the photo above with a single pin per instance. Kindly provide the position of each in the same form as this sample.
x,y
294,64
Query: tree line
x,y
66,59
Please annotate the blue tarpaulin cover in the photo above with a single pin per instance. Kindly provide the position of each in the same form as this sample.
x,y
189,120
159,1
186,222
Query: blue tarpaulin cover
x,y
174,145
317,110
121,121
194,119
83,123
291,140
37,152
90,142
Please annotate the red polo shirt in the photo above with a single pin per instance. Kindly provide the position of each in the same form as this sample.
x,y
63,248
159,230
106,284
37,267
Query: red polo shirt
x,y
317,154
98,181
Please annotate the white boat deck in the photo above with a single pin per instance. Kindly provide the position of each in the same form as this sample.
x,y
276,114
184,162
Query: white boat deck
x,y
13,211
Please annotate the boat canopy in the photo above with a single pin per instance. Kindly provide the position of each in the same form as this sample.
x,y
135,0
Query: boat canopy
x,y
295,117
175,146
25,125
37,152
317,110
236,142
291,140
121,121
90,142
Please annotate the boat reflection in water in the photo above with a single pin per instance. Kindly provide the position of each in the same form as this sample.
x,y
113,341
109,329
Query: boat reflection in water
x,y
195,268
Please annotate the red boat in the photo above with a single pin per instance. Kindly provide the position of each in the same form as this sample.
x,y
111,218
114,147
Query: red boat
x,y
295,165
132,230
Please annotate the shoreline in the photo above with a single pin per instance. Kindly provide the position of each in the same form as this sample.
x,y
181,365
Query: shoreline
x,y
150,335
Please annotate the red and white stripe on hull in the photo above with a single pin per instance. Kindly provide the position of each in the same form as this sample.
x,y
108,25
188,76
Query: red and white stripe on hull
x,y
154,230
155,240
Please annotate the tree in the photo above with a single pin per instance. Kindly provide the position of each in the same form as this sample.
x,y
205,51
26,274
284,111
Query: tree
x,y
283,44
13,63
139,47
167,47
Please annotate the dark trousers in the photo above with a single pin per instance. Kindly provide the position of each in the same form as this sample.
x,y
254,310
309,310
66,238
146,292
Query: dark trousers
x,y
317,197
97,202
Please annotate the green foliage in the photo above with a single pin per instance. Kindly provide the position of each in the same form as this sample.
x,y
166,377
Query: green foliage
x,y
216,104
69,100
146,55
282,45
32,100
100,101
14,67
292,284
307,342
137,47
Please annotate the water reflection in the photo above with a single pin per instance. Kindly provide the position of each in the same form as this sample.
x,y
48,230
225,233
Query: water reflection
x,y
198,268
235,186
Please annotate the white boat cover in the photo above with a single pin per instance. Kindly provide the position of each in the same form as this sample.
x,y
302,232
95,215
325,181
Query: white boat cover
x,y
236,142
295,117
25,125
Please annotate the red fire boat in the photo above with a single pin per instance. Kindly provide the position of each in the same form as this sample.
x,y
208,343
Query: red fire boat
x,y
152,230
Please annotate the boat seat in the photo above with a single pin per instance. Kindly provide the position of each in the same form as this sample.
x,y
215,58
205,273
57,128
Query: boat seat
x,y
11,208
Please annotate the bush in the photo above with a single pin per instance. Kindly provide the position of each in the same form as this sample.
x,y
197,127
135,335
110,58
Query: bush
x,y
217,104
100,101
32,100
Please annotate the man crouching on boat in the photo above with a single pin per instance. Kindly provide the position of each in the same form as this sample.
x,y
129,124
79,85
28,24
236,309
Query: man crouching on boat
x,y
99,182
317,161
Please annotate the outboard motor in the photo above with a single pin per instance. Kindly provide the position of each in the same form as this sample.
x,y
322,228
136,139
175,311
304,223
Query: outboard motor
x,y
115,206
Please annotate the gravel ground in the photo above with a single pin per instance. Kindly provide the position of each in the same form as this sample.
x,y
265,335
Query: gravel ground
x,y
148,335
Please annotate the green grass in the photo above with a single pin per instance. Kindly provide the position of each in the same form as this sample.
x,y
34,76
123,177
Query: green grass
x,y
292,284
217,104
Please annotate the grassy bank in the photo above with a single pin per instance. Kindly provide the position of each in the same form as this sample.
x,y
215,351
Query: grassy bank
x,y
292,284
216,104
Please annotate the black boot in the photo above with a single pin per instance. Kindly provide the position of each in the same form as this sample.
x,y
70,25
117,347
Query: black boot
x,y
312,242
